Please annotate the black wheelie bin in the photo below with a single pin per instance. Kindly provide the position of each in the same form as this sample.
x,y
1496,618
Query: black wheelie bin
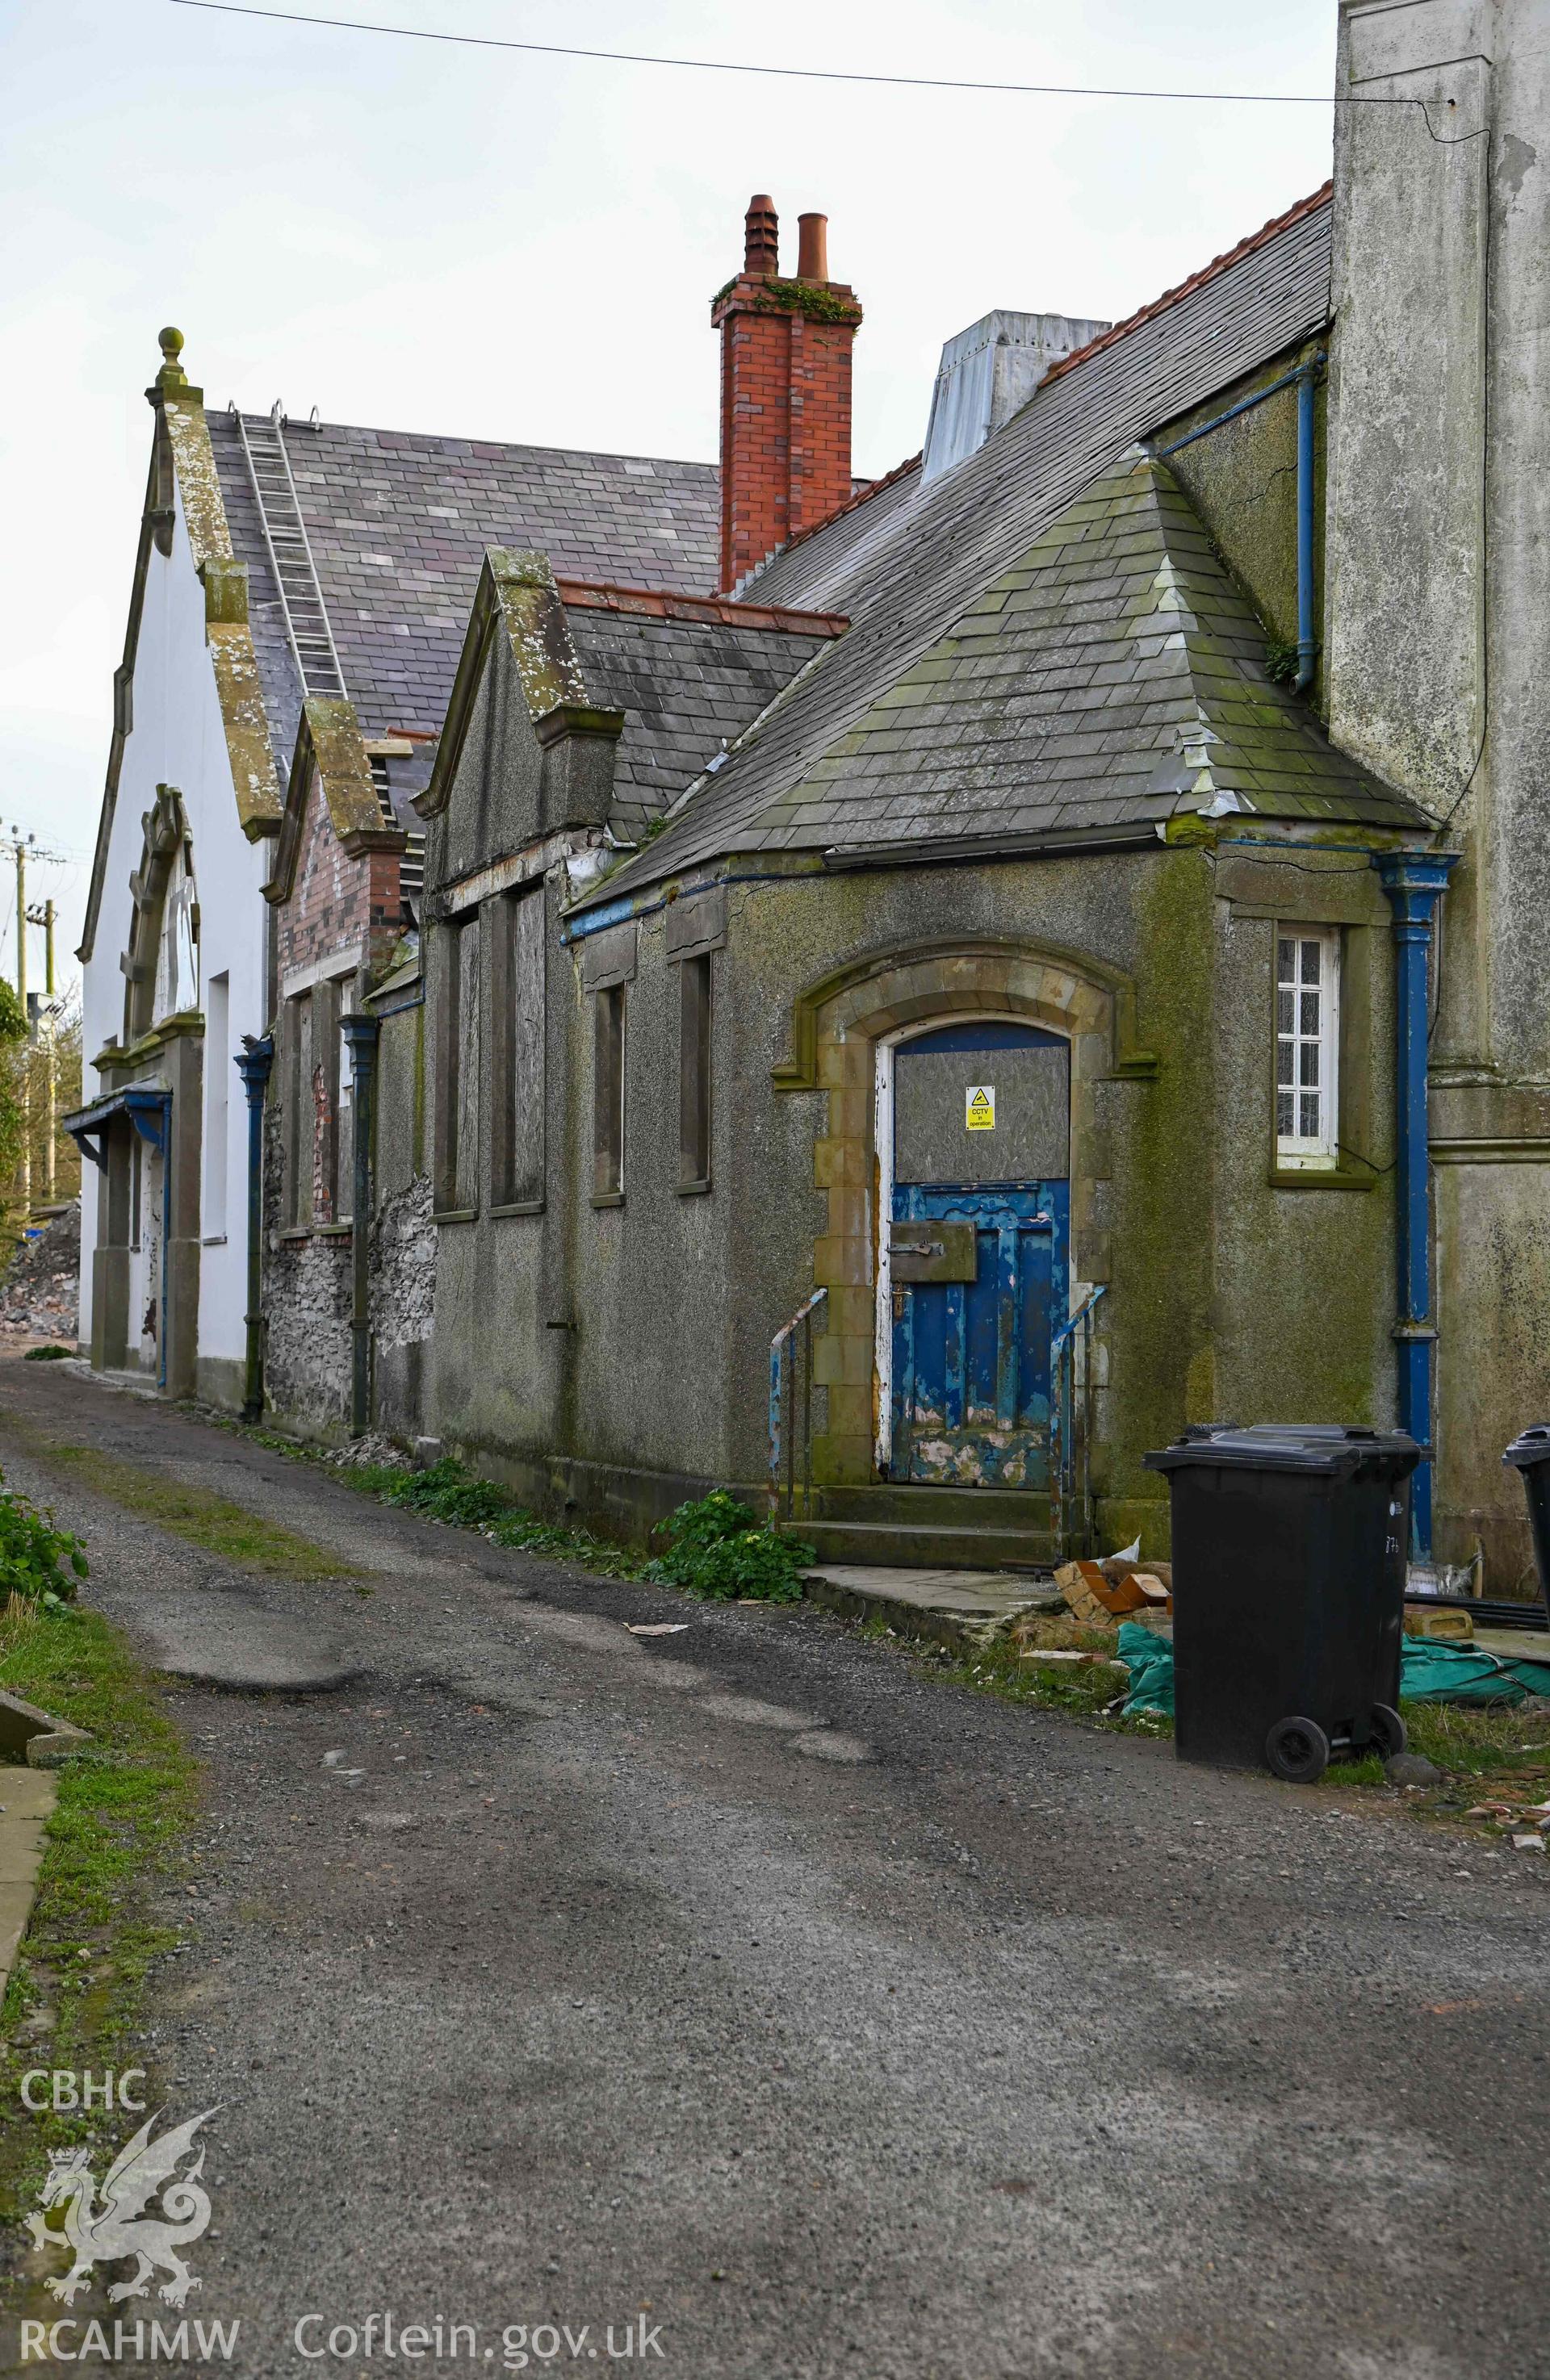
x,y
1531,1455
1290,1551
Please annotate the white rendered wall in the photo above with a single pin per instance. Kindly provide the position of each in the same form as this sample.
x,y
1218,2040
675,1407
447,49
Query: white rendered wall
x,y
178,739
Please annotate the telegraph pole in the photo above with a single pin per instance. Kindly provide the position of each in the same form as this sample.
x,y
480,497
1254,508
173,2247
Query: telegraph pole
x,y
44,916
21,850
50,1061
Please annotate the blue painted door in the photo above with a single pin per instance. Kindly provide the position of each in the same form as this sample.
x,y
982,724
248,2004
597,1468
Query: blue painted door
x,y
971,1355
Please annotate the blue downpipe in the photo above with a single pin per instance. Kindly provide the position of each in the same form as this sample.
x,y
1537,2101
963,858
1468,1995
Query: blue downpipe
x,y
253,1063
1414,882
1307,641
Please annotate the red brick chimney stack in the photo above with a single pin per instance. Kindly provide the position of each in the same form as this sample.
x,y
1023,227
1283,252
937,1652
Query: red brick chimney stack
x,y
785,391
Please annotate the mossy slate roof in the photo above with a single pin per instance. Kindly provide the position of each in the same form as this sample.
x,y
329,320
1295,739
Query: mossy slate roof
x,y
1043,638
1114,676
399,525
684,685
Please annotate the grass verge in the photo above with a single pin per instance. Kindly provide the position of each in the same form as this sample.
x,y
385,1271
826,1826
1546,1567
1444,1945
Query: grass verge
x,y
1086,1689
196,1515
75,1995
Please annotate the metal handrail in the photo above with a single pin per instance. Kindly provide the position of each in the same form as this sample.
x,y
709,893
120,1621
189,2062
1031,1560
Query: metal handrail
x,y
1070,1429
783,1436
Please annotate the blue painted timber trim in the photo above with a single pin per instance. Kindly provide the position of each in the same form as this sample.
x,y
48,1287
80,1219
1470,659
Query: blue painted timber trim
x,y
1414,881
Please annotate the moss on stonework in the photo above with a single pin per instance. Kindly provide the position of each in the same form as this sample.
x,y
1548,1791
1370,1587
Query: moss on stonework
x,y
1163,1361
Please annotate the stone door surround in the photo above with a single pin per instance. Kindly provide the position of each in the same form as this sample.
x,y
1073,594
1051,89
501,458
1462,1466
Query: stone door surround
x,y
837,1023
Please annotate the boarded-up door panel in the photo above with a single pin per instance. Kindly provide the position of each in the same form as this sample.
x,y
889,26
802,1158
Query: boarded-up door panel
x,y
971,1355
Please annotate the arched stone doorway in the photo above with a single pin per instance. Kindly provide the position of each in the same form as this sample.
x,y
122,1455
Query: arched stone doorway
x,y
839,1026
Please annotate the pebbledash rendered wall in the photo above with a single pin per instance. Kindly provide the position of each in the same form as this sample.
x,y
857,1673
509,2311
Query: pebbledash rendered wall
x,y
1438,594
612,1359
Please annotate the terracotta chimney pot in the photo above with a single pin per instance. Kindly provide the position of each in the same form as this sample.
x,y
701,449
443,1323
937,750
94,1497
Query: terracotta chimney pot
x,y
761,235
813,253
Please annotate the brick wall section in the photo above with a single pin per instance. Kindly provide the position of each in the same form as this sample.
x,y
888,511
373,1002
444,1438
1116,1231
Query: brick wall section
x,y
336,901
785,419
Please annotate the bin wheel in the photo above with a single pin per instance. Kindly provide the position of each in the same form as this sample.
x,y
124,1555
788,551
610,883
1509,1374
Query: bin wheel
x,y
1298,1750
1388,1731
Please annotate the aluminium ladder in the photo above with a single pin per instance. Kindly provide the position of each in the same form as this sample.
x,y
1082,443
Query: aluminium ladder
x,y
308,629
290,555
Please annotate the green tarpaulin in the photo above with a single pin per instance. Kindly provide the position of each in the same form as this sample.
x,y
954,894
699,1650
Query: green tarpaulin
x,y
1430,1671
1150,1661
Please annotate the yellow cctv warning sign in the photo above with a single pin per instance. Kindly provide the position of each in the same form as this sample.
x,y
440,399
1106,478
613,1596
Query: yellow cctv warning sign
x,y
979,1107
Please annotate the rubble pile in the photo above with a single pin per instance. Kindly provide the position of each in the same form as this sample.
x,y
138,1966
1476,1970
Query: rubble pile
x,y
40,1293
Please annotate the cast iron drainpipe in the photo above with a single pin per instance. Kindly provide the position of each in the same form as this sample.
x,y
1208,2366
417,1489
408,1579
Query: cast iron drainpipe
x,y
253,1061
361,1038
1414,881
1305,375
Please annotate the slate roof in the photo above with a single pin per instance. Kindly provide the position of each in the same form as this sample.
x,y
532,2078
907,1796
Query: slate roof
x,y
832,551
1114,676
686,685
399,525
823,768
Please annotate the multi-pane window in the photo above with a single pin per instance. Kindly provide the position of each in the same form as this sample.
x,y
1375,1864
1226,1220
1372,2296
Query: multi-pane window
x,y
1307,1043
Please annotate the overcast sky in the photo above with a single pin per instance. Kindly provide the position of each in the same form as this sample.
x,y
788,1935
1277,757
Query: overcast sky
x,y
509,246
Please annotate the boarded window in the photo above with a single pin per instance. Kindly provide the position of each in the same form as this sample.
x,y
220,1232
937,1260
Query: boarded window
x,y
694,1072
987,1102
344,1126
296,1108
324,1103
608,1092
1307,1043
456,1082
517,1050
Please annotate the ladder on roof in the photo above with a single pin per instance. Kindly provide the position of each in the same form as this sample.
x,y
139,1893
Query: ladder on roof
x,y
308,629
291,555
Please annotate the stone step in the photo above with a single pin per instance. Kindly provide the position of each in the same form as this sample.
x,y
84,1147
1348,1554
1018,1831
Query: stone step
x,y
958,1608
898,1544
936,1506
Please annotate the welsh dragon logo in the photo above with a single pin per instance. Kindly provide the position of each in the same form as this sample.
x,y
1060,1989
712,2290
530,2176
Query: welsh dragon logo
x,y
120,2227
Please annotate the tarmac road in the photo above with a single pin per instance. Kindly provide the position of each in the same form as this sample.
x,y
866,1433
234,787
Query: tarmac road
x,y
802,2013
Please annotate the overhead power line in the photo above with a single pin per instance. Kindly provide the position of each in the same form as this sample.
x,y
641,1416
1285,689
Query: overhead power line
x,y
802,74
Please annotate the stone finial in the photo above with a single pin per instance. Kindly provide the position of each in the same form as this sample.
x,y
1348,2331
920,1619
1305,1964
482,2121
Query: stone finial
x,y
171,375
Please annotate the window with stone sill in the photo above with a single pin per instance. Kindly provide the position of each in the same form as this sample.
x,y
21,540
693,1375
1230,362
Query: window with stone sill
x,y
694,1072
1307,1046
608,1013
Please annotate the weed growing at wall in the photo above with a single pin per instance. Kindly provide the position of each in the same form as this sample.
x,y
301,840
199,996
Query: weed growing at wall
x,y
446,1491
716,1548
